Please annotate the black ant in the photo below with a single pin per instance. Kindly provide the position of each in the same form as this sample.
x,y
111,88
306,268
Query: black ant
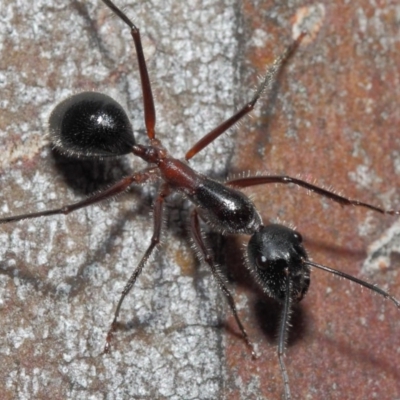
x,y
222,206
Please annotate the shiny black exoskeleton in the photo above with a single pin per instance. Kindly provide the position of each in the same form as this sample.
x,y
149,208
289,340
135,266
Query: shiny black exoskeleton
x,y
276,255
91,124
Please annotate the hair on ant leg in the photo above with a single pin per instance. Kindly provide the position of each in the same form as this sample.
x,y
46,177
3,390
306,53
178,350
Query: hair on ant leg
x,y
91,124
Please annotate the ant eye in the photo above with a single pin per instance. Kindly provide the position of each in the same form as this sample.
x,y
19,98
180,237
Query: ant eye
x,y
297,236
91,124
262,262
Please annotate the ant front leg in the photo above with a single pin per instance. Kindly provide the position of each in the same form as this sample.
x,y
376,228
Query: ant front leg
x,y
344,201
197,236
155,240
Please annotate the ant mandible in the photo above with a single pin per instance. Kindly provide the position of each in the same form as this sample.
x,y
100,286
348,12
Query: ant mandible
x,y
276,256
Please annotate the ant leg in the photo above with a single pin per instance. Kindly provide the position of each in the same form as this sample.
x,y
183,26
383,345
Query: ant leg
x,y
149,110
344,201
155,240
117,188
269,78
194,223
283,328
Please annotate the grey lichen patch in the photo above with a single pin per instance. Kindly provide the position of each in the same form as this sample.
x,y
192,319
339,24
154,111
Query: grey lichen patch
x,y
383,251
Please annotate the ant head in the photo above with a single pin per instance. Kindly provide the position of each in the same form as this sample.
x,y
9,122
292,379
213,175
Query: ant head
x,y
91,124
275,254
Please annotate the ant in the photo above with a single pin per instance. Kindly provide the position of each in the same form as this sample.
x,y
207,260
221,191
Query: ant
x,y
270,245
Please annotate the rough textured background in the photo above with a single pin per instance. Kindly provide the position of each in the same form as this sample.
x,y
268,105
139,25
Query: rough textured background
x,y
334,120
61,277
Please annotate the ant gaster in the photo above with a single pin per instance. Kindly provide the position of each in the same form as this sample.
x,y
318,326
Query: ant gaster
x,y
91,124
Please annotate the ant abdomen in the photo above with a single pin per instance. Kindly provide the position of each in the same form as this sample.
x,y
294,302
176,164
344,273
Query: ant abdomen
x,y
275,255
91,124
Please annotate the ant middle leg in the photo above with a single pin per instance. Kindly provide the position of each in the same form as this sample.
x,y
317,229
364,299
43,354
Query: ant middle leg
x,y
201,246
270,77
155,240
344,201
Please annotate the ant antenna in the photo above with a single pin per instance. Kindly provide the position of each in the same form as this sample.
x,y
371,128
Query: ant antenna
x,y
369,286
